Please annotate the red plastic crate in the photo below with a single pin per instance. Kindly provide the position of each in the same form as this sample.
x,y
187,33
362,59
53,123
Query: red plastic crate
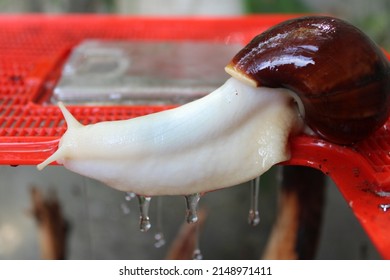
x,y
33,49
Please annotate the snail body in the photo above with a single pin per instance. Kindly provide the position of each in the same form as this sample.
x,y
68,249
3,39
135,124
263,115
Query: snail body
x,y
340,78
228,137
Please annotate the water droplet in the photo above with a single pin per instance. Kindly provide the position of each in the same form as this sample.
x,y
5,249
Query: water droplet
x,y
125,208
384,207
383,193
160,240
192,202
159,235
144,202
197,255
254,216
129,196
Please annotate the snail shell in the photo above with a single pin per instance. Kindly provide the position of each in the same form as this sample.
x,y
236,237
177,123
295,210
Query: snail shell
x,y
341,77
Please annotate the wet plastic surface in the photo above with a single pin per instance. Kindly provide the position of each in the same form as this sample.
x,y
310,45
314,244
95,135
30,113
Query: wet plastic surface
x,y
34,48
142,72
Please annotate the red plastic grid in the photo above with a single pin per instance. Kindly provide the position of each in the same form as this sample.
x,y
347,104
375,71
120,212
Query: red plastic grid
x,y
33,48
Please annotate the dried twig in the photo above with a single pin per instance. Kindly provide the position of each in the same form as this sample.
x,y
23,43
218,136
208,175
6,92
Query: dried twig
x,y
296,232
183,246
51,223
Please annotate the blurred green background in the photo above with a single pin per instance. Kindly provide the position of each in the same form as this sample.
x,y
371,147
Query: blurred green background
x,y
371,16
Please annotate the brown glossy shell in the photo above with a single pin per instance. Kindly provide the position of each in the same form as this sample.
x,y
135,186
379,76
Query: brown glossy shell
x,y
340,75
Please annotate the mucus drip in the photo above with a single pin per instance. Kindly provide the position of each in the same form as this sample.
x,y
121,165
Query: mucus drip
x,y
197,254
385,207
159,235
129,196
254,216
192,202
144,203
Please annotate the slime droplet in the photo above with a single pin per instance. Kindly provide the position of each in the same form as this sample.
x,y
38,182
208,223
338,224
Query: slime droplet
x,y
197,254
160,240
192,202
125,209
384,207
254,216
144,202
129,196
159,235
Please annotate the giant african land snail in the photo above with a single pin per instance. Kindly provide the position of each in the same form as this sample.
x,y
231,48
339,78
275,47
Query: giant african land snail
x,y
240,130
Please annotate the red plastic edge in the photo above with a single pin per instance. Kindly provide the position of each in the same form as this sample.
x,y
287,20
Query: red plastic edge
x,y
361,172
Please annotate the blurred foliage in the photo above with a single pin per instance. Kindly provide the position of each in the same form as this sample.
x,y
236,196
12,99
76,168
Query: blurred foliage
x,y
274,6
372,17
377,26
58,6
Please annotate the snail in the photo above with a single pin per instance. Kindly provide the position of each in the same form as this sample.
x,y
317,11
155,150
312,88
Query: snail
x,y
338,77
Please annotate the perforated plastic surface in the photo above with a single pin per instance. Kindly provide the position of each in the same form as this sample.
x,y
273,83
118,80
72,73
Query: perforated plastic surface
x,y
33,48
